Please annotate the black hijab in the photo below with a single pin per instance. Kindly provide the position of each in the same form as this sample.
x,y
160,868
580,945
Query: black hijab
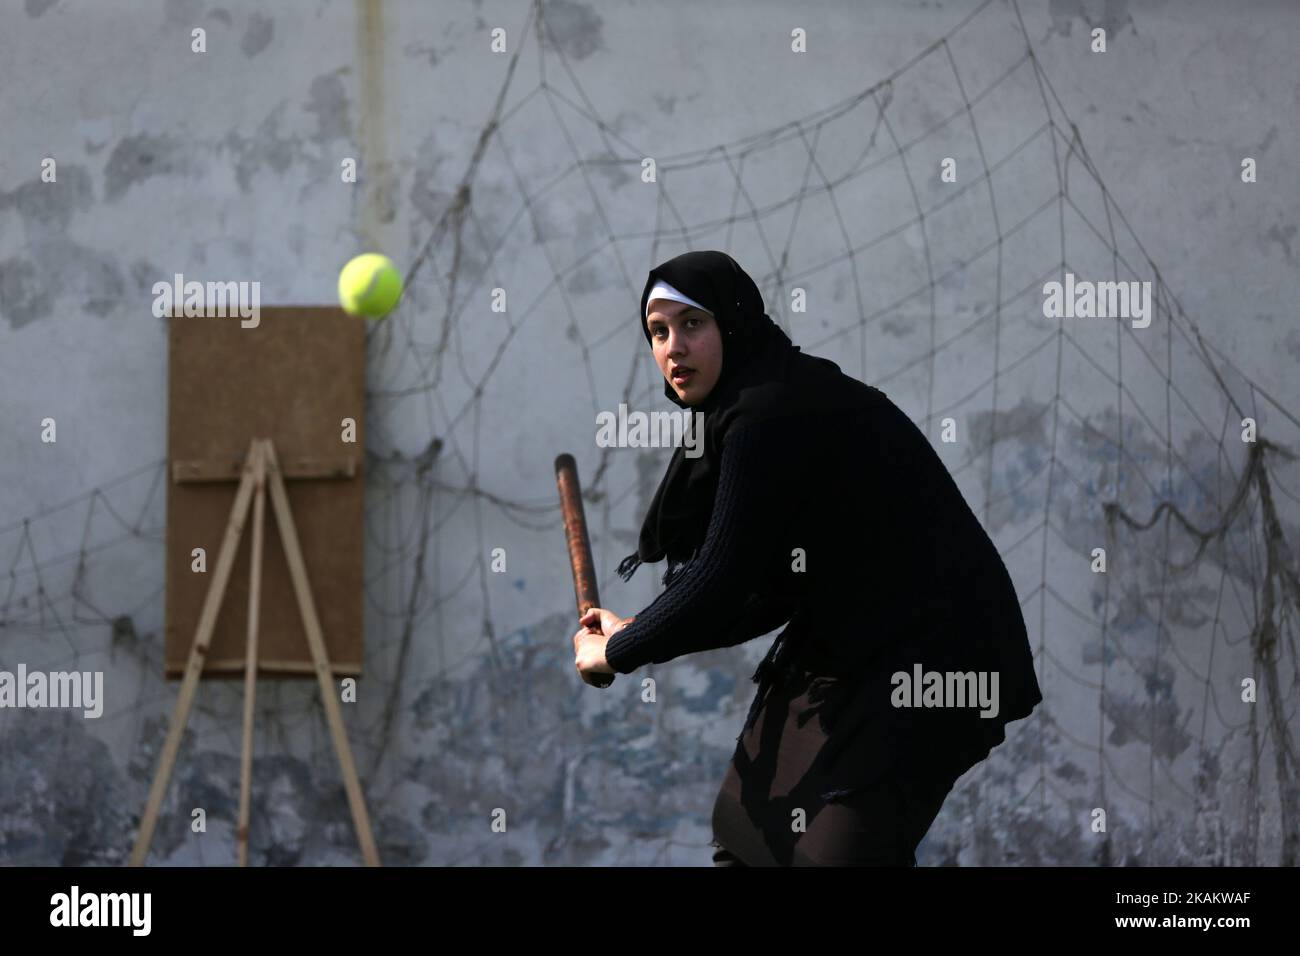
x,y
756,359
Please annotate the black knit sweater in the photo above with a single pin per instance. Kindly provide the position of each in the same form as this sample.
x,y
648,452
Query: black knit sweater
x,y
848,526
716,600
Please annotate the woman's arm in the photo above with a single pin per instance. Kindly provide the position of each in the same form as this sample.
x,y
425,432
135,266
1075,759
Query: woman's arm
x,y
703,608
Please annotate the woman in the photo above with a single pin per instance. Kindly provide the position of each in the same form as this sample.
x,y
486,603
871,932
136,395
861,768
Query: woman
x,y
816,503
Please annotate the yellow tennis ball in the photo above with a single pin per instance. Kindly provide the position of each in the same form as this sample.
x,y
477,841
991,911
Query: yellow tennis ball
x,y
370,285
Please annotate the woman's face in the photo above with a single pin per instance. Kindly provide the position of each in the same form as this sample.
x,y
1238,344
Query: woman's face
x,y
688,347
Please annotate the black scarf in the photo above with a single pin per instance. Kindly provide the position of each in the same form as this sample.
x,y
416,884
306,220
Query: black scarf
x,y
755,353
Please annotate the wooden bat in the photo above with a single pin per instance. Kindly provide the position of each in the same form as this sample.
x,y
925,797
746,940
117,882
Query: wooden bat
x,y
575,533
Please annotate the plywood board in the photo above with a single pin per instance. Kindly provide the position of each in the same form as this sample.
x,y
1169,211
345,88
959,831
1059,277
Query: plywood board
x,y
293,378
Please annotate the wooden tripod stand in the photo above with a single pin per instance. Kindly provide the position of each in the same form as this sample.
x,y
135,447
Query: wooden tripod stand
x,y
261,467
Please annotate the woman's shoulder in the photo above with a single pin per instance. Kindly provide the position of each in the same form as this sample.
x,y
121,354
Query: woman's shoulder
x,y
811,390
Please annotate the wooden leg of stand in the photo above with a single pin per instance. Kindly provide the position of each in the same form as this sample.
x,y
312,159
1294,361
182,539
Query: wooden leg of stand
x,y
194,667
311,624
250,661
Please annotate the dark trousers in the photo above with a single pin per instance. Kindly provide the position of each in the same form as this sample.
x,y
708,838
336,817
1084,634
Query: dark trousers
x,y
787,801
875,826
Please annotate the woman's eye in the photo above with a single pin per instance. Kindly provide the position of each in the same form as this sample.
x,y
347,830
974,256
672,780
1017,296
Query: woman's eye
x,y
659,331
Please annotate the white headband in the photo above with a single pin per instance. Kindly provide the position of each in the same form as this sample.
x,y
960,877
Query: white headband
x,y
662,290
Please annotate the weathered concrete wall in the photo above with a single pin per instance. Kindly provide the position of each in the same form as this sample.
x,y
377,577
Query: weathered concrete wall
x,y
522,170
